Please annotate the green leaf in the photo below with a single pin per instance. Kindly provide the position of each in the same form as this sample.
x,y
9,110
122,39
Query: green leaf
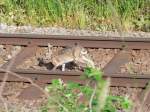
x,y
72,85
93,73
109,108
126,104
56,82
68,95
86,90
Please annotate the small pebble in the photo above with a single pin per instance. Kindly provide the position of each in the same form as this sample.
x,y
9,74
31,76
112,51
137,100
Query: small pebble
x,y
9,56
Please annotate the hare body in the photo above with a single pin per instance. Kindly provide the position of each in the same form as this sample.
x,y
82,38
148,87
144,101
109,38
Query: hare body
x,y
76,53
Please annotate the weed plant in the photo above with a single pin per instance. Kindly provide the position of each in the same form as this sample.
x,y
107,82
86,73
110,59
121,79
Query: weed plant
x,y
91,97
80,14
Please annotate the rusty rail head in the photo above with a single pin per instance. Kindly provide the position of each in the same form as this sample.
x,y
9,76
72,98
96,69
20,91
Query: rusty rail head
x,y
39,36
46,76
85,41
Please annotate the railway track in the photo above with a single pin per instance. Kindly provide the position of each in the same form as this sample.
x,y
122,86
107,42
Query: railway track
x,y
85,41
31,42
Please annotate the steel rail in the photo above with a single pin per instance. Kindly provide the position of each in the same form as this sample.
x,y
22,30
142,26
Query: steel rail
x,y
33,36
66,40
45,76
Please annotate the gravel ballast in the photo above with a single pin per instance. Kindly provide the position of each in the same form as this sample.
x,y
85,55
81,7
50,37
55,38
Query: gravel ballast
x,y
139,63
7,52
4,28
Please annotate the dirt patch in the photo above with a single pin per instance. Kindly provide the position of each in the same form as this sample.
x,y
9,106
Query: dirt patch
x,y
139,64
132,93
10,95
7,52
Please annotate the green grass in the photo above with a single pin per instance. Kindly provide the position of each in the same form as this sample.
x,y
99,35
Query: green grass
x,y
99,15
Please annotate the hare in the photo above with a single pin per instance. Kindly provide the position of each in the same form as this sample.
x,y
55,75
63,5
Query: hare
x,y
75,54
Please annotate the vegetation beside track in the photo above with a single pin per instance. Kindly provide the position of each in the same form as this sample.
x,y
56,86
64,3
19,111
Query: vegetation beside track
x,y
91,97
98,15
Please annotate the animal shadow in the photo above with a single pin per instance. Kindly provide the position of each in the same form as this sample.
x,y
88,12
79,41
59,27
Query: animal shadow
x,y
50,66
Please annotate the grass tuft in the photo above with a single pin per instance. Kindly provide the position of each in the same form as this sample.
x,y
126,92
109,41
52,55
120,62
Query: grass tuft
x,y
80,14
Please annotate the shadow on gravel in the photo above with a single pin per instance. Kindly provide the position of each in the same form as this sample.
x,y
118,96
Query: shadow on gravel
x,y
50,66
